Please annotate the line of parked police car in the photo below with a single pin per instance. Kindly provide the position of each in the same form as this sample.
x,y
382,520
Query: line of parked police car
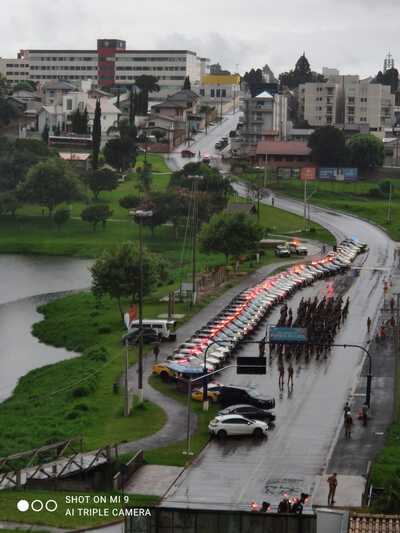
x,y
245,410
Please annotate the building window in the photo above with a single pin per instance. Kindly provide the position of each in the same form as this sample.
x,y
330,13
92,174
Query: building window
x,y
223,93
218,93
212,93
351,99
201,92
69,104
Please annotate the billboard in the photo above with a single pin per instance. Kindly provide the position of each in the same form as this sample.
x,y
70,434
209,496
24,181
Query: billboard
x,y
287,335
308,173
327,173
350,173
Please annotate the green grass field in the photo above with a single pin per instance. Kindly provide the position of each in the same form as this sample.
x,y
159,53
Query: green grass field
x,y
355,198
67,514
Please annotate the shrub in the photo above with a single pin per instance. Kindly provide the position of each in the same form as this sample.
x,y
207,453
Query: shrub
x,y
130,201
96,353
104,329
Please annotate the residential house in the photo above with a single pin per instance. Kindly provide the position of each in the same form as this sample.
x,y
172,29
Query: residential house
x,y
282,154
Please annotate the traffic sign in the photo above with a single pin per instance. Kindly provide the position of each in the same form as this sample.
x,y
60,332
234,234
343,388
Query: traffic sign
x,y
251,365
287,335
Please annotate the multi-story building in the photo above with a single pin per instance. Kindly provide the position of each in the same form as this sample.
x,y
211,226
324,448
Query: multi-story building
x,y
220,90
263,117
110,64
347,101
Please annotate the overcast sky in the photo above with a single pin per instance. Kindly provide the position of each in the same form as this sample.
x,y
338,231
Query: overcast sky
x,y
352,35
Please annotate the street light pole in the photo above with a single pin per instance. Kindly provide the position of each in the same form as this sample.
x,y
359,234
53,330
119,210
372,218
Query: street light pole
x,y
389,209
305,203
126,389
140,215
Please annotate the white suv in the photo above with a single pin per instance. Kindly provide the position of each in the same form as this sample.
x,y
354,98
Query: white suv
x,y
225,425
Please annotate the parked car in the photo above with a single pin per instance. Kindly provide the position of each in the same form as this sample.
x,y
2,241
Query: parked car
x,y
235,395
206,159
212,392
149,335
297,248
164,328
187,153
282,251
231,425
248,411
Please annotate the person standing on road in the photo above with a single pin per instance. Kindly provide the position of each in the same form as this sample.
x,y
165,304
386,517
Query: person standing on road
x,y
369,324
290,375
348,423
156,351
281,375
346,409
272,201
332,482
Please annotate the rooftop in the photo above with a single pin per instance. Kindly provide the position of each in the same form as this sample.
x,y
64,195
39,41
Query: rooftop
x,y
282,148
222,79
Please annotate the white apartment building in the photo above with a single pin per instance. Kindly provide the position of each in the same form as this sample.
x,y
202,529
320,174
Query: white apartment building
x,y
110,64
263,116
349,101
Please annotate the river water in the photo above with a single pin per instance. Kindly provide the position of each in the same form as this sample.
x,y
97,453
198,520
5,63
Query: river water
x,y
25,283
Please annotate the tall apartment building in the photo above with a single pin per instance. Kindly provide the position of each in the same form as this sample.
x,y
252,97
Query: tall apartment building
x,y
110,64
263,116
349,101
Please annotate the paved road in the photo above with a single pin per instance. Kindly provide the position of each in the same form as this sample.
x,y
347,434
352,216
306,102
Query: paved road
x,y
205,143
297,452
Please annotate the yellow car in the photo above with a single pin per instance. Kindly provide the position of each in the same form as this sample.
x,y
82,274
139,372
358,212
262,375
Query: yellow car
x,y
212,393
163,370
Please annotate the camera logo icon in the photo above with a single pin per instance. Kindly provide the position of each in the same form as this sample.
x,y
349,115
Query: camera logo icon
x,y
37,506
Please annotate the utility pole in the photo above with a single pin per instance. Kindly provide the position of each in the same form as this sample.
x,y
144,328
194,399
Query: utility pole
x,y
389,209
126,390
305,203
140,214
265,169
194,241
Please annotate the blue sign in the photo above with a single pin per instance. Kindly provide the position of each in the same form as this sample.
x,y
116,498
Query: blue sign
x,y
350,173
287,335
327,173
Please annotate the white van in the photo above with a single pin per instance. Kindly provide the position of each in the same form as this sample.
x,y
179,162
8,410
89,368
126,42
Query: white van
x,y
165,328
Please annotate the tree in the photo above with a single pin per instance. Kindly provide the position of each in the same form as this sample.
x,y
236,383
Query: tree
x,y
328,147
187,86
79,122
103,179
144,175
3,86
129,201
96,135
255,81
120,153
116,273
9,203
7,111
147,84
50,183
94,214
158,203
25,85
61,217
366,151
230,234
390,77
46,133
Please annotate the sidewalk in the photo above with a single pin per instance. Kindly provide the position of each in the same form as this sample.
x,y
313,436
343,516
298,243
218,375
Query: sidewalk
x,y
351,458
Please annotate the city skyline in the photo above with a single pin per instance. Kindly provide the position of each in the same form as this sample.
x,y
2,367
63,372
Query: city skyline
x,y
234,37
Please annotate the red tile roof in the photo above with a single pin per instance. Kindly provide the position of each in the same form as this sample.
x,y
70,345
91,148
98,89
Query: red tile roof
x,y
282,148
367,523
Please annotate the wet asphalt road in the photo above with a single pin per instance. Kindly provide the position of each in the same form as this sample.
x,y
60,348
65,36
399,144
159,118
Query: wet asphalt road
x,y
235,472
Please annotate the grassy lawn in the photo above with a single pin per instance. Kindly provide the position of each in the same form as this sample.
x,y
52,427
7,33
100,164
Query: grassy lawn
x,y
350,197
59,518
172,455
46,402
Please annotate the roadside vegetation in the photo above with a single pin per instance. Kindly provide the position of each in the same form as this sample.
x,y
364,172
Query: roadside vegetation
x,y
367,198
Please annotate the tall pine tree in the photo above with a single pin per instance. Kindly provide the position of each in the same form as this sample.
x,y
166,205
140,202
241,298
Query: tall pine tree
x,y
96,135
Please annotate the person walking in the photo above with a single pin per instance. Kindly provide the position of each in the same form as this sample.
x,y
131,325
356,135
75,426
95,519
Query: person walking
x,y
392,305
156,351
369,324
332,482
290,375
364,414
348,423
281,375
346,409
272,201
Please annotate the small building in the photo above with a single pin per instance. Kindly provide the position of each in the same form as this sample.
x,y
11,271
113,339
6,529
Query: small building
x,y
54,91
282,154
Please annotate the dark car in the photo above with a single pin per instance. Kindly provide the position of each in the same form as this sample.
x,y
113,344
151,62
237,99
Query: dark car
x,y
187,153
235,395
149,335
248,411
